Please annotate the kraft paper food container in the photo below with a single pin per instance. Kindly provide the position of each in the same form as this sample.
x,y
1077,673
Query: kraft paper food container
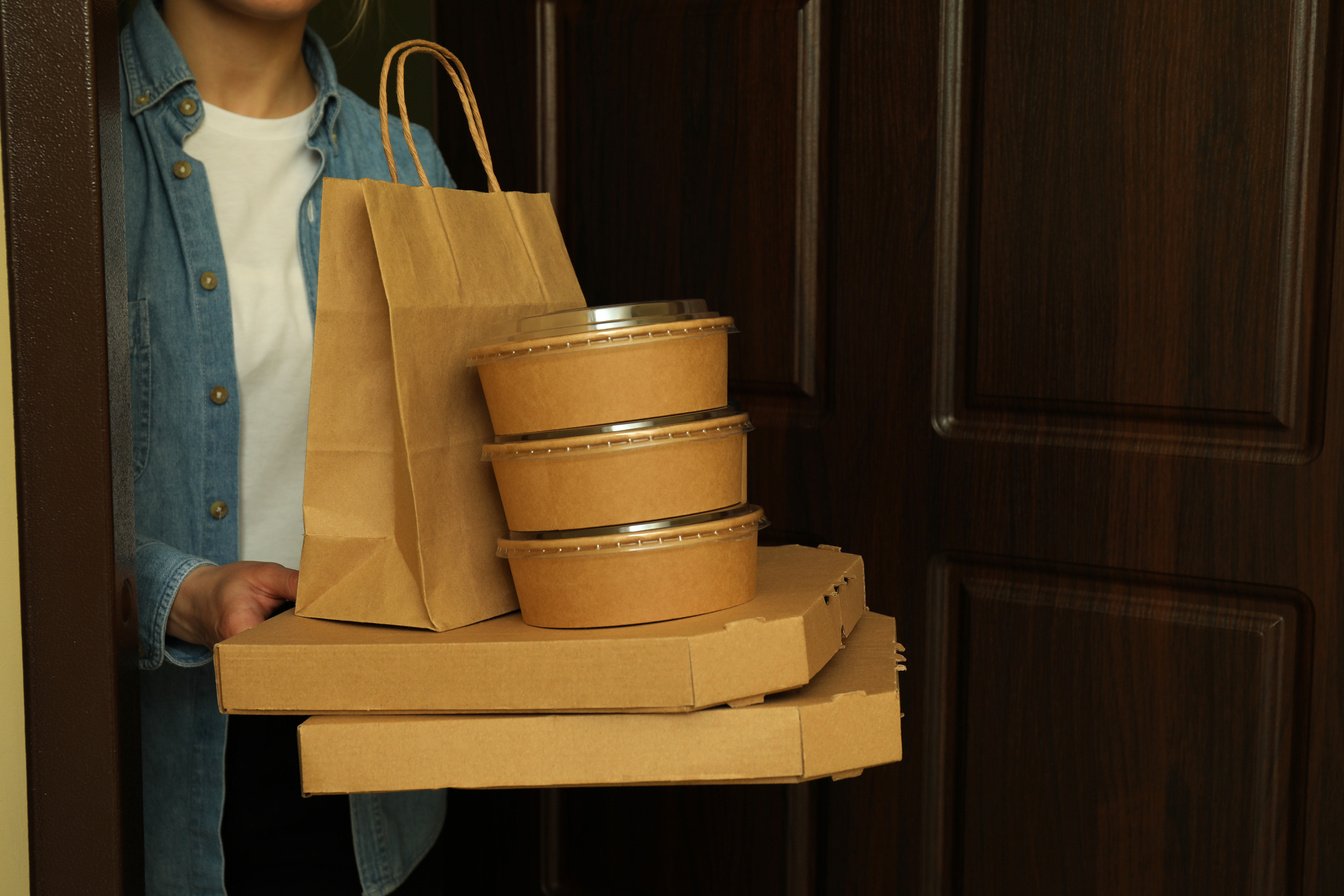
x,y
605,364
645,572
614,473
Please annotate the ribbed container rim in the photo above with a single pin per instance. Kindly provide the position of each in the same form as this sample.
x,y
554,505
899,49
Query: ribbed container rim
x,y
596,318
624,426
649,527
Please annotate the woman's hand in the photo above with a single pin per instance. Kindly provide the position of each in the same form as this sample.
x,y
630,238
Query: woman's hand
x,y
218,602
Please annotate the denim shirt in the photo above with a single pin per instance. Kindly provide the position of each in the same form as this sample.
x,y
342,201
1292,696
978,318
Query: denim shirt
x,y
185,454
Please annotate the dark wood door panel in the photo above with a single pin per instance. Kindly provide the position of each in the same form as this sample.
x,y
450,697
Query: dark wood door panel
x,y
682,146
1130,189
1110,733
680,142
1213,519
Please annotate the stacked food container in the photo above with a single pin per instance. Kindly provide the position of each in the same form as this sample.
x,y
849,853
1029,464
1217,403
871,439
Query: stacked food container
x,y
620,464
656,645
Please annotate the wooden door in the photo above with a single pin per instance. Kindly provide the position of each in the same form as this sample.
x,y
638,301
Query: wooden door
x,y
1035,303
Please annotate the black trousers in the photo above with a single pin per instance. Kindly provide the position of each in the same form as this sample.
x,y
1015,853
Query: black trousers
x,y
277,841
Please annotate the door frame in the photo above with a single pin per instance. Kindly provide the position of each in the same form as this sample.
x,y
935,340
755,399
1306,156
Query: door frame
x,y
63,203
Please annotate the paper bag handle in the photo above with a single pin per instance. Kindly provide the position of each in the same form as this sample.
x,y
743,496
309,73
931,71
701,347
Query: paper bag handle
x,y
458,74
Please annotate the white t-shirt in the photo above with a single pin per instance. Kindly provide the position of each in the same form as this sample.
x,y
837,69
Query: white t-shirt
x,y
259,171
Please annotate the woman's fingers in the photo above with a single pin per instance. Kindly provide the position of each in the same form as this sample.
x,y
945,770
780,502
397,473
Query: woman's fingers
x,y
218,602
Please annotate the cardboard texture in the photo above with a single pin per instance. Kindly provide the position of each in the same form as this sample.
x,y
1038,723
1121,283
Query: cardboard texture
x,y
807,600
588,481
629,579
628,374
846,720
400,516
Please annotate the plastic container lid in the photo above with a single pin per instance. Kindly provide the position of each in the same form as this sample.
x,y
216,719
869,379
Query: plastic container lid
x,y
611,317
625,426
649,529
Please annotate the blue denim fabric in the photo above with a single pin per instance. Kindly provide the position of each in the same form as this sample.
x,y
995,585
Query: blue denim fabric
x,y
186,448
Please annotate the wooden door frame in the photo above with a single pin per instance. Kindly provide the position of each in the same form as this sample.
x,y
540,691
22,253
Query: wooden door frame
x,y
63,202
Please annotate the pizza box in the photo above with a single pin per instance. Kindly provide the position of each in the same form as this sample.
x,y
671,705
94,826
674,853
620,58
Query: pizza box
x,y
807,601
847,719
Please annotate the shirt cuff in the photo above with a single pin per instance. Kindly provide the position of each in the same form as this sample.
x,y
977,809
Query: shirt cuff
x,y
159,571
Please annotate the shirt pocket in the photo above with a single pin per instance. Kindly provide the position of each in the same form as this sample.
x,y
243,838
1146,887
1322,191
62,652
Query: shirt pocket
x,y
141,382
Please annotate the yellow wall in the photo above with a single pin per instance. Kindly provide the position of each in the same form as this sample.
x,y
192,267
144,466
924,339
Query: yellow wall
x,y
13,759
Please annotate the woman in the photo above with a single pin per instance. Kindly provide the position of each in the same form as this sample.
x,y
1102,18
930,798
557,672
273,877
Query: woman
x,y
231,116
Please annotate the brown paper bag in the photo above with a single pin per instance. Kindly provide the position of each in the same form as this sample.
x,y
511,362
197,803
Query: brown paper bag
x,y
400,514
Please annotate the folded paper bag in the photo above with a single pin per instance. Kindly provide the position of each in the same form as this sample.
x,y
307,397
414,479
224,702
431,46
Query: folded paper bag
x,y
400,516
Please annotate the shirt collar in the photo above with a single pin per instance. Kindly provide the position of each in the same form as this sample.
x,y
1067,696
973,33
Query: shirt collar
x,y
154,66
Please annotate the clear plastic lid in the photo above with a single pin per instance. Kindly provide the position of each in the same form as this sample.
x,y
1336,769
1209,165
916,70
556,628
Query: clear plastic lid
x,y
647,529
732,530
611,317
579,329
625,426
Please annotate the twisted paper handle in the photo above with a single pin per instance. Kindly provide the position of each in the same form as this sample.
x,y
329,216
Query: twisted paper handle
x,y
458,74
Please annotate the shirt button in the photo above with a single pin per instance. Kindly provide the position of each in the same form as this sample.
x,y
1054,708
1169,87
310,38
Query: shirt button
x,y
142,100
209,280
182,170
187,107
219,395
219,510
